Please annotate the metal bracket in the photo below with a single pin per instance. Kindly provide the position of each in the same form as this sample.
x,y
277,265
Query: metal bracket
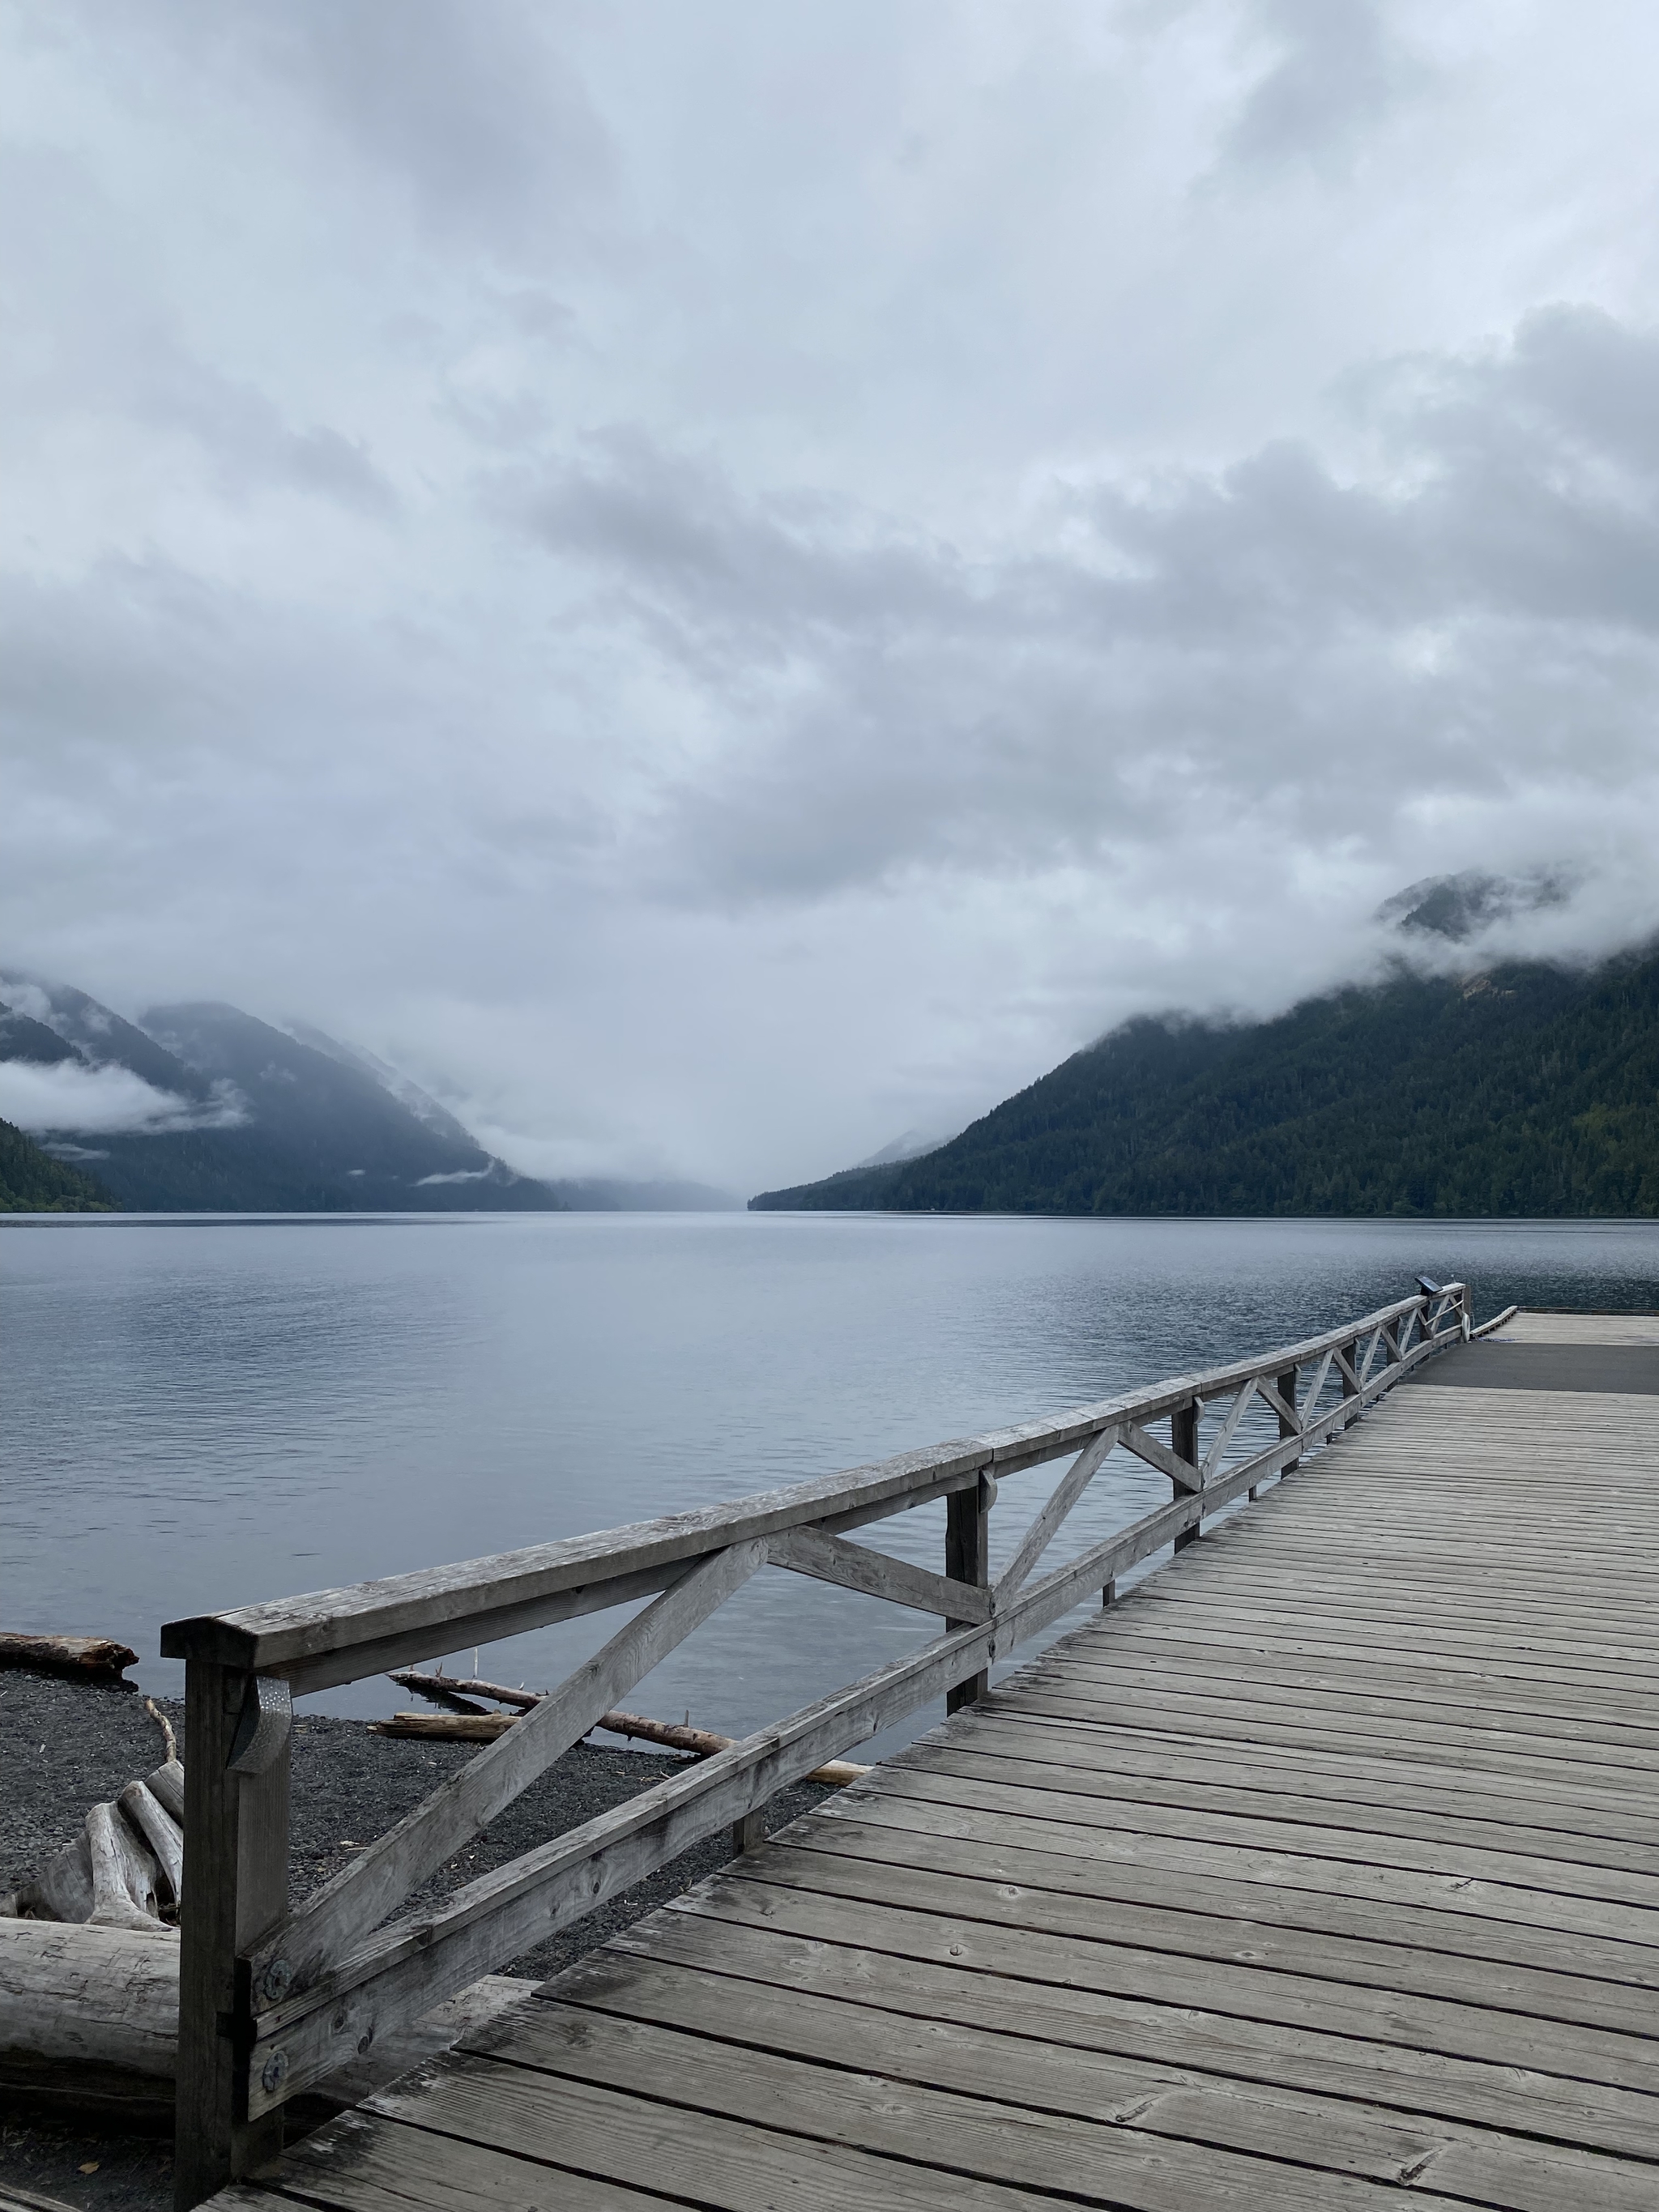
x,y
262,1730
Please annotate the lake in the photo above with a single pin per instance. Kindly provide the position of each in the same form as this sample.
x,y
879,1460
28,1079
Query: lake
x,y
203,1413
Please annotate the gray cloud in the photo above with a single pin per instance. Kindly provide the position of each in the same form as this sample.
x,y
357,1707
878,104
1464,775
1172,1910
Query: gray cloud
x,y
469,108
1476,614
721,591
1340,68
99,344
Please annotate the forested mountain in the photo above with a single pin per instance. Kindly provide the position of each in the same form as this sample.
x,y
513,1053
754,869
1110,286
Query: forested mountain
x,y
228,1115
242,1117
1530,1089
31,1182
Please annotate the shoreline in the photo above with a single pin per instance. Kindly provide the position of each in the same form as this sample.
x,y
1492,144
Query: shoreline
x,y
66,1745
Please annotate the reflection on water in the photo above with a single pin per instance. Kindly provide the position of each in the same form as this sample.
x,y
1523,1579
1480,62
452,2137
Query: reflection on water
x,y
199,1414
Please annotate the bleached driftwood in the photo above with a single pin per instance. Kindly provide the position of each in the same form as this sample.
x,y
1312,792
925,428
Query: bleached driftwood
x,y
125,1865
89,2021
162,1832
89,1973
88,2018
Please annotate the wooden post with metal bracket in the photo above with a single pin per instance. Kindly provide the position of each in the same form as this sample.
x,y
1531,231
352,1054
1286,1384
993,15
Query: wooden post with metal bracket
x,y
236,1816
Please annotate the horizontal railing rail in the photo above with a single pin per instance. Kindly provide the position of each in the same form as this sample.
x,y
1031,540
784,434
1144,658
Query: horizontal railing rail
x,y
272,2000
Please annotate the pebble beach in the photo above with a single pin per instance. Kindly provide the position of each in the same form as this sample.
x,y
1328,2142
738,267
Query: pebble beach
x,y
66,1745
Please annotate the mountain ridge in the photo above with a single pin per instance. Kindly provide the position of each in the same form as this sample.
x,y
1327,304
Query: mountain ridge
x,y
202,1108
1528,1088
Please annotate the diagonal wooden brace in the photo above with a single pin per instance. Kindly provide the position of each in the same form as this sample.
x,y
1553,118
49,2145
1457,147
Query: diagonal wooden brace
x,y
1066,1493
1276,1399
344,1910
1224,1436
854,1567
1184,1475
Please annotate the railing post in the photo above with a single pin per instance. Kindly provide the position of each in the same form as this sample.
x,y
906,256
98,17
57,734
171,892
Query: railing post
x,y
1183,1441
748,1831
1285,1385
1348,1387
236,1892
968,1559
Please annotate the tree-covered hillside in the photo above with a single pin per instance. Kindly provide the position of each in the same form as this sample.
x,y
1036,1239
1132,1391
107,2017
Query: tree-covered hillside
x,y
1528,1090
31,1182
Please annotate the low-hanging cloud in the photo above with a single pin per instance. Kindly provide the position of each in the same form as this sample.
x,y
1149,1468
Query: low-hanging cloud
x,y
70,1098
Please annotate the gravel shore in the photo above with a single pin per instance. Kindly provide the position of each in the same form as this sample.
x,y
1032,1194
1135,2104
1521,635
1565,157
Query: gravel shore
x,y
64,1746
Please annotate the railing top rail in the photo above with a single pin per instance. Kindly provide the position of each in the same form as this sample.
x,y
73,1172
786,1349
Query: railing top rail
x,y
284,1631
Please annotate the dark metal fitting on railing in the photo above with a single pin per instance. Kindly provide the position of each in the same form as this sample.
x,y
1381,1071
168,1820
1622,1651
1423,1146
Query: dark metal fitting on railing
x,y
262,1729
275,1981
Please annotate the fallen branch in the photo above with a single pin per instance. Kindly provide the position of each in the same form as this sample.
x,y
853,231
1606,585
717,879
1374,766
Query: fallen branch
x,y
457,1691
484,1728
98,1658
165,1726
701,1743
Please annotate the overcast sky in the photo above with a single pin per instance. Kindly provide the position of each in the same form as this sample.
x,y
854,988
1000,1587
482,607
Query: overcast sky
x,y
718,582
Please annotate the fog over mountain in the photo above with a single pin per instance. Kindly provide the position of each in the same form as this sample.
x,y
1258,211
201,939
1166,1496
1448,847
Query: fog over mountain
x,y
712,586
203,1108
1444,1084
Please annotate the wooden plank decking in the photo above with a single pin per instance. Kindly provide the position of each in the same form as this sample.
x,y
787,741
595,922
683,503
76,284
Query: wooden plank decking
x,y
1324,1867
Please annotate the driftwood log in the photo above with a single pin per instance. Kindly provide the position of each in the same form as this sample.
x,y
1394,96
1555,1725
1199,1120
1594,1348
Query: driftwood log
x,y
476,1727
97,1658
89,2023
125,1869
90,1974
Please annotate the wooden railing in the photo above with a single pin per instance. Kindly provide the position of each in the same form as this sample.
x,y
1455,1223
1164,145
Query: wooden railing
x,y
272,2000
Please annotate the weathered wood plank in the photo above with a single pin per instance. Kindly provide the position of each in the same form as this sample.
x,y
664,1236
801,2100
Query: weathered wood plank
x,y
365,2163
914,1911
1505,1631
940,1781
1548,1791
844,2005
652,1970
1172,1708
1199,1655
1224,1436
403,1971
1313,1791
730,2109
1282,1868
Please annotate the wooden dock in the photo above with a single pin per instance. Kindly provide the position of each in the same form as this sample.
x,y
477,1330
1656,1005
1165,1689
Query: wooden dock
x,y
1322,1865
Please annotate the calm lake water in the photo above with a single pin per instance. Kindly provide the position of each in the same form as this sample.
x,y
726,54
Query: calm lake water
x,y
199,1413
